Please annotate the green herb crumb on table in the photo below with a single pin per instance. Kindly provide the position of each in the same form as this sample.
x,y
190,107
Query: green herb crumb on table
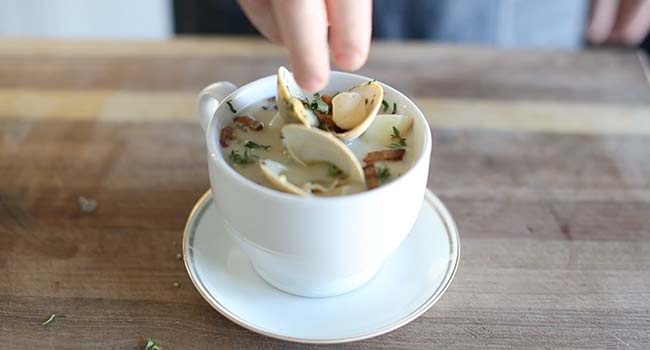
x,y
151,345
50,320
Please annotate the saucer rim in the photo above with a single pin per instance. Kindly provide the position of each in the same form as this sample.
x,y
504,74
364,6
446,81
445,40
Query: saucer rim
x,y
450,272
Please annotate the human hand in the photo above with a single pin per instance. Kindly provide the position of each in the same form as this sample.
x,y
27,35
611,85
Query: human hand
x,y
624,22
302,26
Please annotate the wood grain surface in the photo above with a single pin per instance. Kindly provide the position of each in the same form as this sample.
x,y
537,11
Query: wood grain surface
x,y
543,158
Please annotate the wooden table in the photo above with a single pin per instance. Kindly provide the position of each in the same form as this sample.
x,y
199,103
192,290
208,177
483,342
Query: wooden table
x,y
543,159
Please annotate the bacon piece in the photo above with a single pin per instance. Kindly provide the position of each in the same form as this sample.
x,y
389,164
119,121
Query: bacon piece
x,y
327,99
226,135
385,155
370,172
249,122
327,120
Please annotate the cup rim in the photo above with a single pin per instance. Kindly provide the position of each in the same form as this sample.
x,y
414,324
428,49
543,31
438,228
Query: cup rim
x,y
214,152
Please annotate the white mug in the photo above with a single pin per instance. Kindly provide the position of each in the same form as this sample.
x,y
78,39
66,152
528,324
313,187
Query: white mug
x,y
320,246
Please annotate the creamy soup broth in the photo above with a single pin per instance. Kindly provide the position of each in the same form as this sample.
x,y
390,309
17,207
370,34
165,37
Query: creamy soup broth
x,y
247,147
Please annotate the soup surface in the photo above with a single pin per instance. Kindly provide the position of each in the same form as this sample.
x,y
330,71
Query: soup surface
x,y
254,137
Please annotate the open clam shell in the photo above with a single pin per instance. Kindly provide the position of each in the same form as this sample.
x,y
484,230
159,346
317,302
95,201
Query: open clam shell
x,y
311,145
273,170
290,98
381,129
313,187
354,110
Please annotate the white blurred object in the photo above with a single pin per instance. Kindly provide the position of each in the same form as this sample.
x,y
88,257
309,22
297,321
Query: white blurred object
x,y
141,19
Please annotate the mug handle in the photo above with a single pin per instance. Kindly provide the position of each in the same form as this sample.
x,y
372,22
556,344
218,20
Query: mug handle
x,y
210,98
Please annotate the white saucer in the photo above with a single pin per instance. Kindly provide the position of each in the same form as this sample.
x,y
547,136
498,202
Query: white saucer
x,y
408,284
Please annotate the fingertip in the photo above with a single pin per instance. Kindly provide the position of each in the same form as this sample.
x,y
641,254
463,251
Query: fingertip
x,y
275,38
350,32
626,37
596,37
305,35
350,59
312,82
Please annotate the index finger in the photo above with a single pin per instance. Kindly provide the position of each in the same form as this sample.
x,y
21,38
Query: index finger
x,y
350,31
632,23
303,25
601,21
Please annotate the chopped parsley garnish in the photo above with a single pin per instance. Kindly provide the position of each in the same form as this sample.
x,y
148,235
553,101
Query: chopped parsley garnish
x,y
384,105
366,102
318,105
255,145
398,140
383,174
239,159
232,109
394,108
151,345
372,81
333,171
50,320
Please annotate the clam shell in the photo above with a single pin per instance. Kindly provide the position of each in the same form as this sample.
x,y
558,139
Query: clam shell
x,y
381,129
273,170
343,189
311,145
356,109
310,187
289,100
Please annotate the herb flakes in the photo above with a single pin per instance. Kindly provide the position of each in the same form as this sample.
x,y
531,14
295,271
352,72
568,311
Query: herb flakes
x,y
318,105
232,109
384,106
398,140
87,205
254,145
394,108
245,159
334,171
383,174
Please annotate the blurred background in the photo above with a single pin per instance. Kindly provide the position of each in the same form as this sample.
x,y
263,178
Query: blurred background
x,y
549,24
